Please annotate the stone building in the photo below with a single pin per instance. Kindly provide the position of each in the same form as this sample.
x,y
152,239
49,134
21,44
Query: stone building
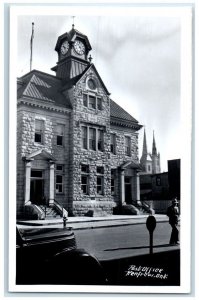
x,y
76,148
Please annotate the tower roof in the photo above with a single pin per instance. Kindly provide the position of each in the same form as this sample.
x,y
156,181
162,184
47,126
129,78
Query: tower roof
x,y
154,149
144,149
71,36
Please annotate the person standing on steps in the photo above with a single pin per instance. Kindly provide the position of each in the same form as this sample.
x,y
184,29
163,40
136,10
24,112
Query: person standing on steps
x,y
173,214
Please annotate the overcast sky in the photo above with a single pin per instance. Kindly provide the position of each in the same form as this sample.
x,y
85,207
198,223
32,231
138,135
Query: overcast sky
x,y
138,58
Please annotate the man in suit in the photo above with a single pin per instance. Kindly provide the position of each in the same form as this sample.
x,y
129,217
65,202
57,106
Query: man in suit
x,y
173,214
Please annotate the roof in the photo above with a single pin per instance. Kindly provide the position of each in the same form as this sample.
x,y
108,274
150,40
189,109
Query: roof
x,y
119,113
70,36
131,164
49,88
121,117
42,86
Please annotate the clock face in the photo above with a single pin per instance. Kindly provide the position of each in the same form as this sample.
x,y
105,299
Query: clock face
x,y
79,47
64,47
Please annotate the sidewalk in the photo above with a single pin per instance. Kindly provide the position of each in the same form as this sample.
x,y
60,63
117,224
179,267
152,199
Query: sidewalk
x,y
94,222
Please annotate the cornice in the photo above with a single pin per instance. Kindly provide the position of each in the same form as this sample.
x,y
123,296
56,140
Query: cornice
x,y
124,123
43,106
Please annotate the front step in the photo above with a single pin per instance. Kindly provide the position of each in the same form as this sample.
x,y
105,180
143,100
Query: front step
x,y
50,212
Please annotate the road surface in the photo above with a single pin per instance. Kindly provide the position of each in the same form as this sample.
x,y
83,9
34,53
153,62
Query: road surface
x,y
124,249
123,241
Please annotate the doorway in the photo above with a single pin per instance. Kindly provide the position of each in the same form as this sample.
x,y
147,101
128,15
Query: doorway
x,y
37,187
128,193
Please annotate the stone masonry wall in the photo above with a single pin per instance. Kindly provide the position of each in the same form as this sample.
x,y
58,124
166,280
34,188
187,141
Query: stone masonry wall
x,y
26,145
120,157
85,116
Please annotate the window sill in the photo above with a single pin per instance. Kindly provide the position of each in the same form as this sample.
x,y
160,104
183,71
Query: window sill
x,y
97,151
38,144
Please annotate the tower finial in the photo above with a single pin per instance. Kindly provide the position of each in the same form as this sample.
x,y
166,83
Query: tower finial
x,y
73,25
90,59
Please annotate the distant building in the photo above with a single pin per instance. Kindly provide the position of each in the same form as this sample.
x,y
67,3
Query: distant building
x,y
174,178
150,162
159,189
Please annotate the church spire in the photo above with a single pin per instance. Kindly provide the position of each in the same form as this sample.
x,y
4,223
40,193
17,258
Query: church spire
x,y
144,149
154,150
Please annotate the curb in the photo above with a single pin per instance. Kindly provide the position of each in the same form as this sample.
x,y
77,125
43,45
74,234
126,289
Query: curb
x,y
96,224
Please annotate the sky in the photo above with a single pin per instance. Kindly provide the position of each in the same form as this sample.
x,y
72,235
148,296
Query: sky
x,y
138,59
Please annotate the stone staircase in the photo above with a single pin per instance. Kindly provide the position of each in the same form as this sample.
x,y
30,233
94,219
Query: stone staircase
x,y
144,208
50,212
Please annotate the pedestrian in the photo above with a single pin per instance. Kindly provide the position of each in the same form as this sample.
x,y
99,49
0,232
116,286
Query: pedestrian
x,y
173,214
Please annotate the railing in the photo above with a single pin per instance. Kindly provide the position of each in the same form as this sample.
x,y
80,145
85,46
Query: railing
x,y
59,209
143,207
33,212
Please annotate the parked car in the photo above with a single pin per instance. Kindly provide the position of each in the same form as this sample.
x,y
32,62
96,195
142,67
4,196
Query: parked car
x,y
50,256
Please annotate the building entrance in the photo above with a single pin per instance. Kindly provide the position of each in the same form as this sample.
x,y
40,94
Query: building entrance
x,y
128,194
37,187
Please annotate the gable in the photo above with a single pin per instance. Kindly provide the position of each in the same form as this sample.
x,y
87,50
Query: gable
x,y
40,154
89,72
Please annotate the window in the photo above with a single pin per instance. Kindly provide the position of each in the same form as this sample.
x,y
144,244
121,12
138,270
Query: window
x,y
85,100
59,184
59,168
84,137
100,180
36,174
149,168
59,179
113,175
92,84
113,143
100,140
39,128
60,134
92,102
99,103
100,170
92,138
85,179
127,145
158,181
127,180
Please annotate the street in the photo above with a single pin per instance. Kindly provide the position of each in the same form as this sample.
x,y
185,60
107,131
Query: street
x,y
123,241
124,254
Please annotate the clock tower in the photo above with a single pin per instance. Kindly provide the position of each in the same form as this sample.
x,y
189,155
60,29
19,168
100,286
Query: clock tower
x,y
72,48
